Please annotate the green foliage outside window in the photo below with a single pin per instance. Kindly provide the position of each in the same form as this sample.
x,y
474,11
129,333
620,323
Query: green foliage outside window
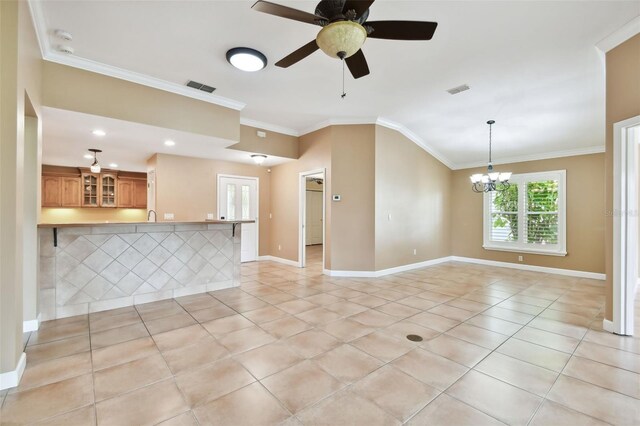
x,y
542,212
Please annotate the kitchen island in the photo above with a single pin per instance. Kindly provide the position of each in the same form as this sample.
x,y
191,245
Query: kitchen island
x,y
91,267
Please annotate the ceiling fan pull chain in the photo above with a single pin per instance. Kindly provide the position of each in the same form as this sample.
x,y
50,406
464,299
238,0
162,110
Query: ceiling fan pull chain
x,y
344,94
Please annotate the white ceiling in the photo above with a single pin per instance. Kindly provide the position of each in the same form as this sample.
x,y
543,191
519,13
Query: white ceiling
x,y
532,66
68,135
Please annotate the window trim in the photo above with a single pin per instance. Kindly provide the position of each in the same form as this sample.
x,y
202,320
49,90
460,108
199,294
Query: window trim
x,y
559,249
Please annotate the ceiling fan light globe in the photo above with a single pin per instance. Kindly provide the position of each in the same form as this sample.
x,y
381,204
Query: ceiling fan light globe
x,y
341,36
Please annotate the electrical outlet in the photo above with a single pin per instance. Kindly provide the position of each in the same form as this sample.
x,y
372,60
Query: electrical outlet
x,y
279,247
520,258
168,216
415,251
209,216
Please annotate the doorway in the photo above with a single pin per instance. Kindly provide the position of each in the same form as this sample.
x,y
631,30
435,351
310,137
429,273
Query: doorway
x,y
626,141
238,200
312,219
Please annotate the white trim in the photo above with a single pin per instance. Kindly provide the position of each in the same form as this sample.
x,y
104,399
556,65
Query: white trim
x,y
619,36
524,250
268,126
383,272
625,241
270,258
607,326
337,122
49,54
415,139
31,325
257,179
302,207
11,379
534,157
533,268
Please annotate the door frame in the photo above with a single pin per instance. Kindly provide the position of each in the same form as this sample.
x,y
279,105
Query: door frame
x,y
625,232
257,180
302,208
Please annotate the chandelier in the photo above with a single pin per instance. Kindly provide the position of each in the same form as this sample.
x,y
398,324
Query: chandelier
x,y
491,181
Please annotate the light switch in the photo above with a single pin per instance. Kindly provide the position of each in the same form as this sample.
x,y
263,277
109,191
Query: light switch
x,y
336,197
168,216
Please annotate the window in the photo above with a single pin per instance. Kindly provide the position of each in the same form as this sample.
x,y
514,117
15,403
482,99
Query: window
x,y
528,217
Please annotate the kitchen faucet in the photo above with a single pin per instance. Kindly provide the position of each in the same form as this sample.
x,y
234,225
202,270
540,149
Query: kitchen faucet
x,y
155,216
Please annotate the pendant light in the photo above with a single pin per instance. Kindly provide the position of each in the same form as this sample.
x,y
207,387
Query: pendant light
x,y
491,181
95,167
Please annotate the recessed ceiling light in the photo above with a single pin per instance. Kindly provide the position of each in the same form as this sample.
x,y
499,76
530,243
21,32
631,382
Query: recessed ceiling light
x,y
246,59
169,142
88,156
113,165
99,132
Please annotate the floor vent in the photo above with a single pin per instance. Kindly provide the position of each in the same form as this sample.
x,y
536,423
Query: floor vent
x,y
456,90
200,86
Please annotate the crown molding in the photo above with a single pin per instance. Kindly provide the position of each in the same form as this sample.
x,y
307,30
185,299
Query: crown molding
x,y
48,54
415,139
534,157
338,122
268,126
619,36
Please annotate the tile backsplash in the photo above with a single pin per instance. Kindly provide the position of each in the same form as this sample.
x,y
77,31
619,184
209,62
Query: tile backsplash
x,y
95,268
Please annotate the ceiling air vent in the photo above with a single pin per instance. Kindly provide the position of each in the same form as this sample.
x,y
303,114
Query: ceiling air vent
x,y
200,86
456,90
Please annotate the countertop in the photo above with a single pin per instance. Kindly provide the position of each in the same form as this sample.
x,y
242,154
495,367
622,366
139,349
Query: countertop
x,y
205,222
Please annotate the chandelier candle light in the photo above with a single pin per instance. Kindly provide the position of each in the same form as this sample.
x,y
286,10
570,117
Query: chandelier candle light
x,y
491,181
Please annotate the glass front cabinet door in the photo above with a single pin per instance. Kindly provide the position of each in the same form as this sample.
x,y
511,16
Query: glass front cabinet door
x,y
89,190
108,190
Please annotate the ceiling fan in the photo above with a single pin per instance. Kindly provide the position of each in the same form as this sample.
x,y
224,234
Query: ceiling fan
x,y
344,29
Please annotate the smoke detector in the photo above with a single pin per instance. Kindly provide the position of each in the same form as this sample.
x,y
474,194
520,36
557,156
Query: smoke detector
x,y
63,35
65,49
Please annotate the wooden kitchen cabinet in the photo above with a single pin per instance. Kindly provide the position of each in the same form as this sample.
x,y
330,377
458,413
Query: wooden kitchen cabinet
x,y
140,194
51,191
71,191
90,189
108,190
125,193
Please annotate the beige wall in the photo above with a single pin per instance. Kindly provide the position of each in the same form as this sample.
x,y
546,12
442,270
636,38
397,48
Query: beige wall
x,y
623,102
315,153
353,178
91,93
91,215
20,75
414,188
187,187
276,144
585,221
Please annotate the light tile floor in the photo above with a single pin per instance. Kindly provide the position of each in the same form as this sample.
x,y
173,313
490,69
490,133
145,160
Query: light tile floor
x,y
291,346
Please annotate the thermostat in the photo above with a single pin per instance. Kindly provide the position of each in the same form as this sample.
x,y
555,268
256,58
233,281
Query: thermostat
x,y
336,197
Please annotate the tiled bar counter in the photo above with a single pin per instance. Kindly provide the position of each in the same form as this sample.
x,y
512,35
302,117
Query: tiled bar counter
x,y
94,267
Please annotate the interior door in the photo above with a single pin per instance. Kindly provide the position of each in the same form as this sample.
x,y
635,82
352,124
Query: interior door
x,y
238,200
313,226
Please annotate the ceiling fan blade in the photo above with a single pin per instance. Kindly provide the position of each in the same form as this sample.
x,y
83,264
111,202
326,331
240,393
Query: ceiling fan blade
x,y
402,30
286,12
357,64
298,55
360,6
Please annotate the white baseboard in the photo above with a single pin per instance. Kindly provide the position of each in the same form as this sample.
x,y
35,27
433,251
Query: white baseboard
x,y
279,260
607,326
10,379
557,271
31,325
383,272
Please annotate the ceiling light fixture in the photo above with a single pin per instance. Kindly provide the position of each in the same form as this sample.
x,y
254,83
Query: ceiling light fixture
x,y
113,165
169,142
88,156
258,158
95,167
99,132
246,59
492,181
341,39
